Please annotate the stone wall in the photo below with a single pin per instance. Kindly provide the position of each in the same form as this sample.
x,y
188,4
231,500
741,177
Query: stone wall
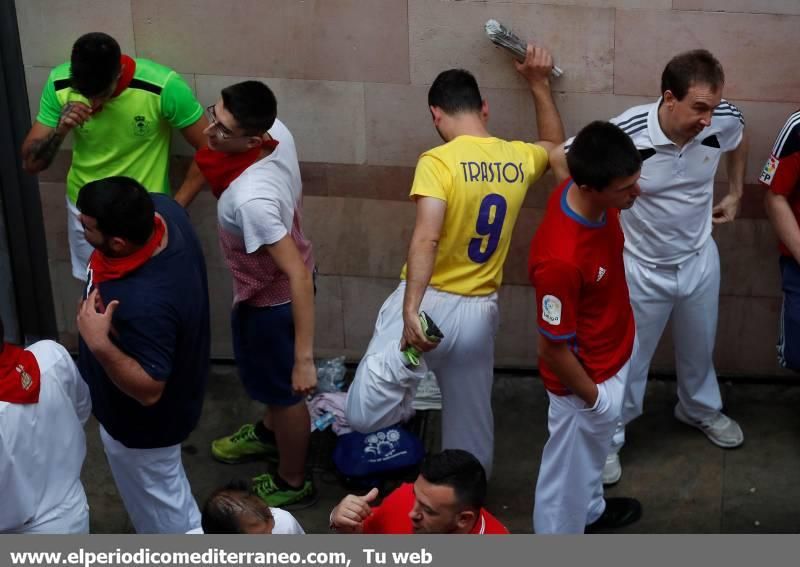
x,y
351,77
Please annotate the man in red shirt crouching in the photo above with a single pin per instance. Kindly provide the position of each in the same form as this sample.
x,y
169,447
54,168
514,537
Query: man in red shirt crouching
x,y
446,498
586,329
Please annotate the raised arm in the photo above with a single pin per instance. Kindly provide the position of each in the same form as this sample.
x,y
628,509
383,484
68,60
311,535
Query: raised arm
x,y
536,70
42,142
558,163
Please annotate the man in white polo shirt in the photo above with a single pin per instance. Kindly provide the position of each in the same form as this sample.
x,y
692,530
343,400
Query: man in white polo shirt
x,y
671,261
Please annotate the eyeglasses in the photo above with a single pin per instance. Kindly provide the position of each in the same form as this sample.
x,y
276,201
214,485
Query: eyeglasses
x,y
224,133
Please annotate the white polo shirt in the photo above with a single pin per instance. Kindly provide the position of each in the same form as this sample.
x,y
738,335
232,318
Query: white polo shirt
x,y
671,220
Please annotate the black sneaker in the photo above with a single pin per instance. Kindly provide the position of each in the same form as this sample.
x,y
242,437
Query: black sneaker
x,y
619,512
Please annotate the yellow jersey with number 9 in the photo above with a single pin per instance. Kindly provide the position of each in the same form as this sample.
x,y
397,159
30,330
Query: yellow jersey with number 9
x,y
483,181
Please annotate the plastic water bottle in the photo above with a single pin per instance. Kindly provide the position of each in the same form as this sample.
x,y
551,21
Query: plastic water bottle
x,y
330,375
323,422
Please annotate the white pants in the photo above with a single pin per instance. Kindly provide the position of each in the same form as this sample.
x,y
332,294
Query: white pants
x,y
79,249
569,492
383,388
153,487
69,517
690,293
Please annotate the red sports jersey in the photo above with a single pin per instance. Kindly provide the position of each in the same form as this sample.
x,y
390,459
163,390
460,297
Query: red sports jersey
x,y
781,173
577,269
391,517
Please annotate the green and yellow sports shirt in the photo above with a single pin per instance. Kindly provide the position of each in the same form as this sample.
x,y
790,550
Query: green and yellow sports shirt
x,y
131,134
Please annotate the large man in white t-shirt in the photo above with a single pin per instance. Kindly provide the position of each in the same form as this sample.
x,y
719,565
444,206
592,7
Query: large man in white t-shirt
x,y
44,404
671,261
251,163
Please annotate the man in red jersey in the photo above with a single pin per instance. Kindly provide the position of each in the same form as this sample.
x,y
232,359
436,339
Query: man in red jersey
x,y
446,498
781,178
586,330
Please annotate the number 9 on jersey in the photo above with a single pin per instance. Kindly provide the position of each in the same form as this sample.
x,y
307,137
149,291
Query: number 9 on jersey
x,y
491,215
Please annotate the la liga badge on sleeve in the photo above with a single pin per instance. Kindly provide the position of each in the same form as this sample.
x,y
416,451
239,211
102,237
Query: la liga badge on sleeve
x,y
551,310
768,173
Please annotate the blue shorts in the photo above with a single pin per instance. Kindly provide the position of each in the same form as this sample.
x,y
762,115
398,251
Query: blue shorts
x,y
263,344
789,336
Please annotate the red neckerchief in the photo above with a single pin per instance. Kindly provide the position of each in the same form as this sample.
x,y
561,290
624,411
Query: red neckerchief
x,y
20,380
220,169
128,68
104,268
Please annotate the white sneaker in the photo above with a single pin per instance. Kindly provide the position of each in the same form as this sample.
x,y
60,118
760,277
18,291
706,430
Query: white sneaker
x,y
721,430
612,470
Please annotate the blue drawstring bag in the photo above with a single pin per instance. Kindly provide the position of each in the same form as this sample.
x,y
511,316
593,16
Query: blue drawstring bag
x,y
366,460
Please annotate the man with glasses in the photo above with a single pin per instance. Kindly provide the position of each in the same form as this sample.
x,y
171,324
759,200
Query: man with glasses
x,y
121,112
251,165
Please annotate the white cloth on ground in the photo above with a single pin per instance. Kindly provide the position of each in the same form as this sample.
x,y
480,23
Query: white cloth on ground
x,y
333,402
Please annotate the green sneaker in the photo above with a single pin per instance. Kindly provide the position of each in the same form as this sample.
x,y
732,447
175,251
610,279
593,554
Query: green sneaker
x,y
244,445
266,489
432,332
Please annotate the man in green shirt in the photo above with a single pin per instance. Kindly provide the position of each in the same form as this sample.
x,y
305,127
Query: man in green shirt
x,y
121,112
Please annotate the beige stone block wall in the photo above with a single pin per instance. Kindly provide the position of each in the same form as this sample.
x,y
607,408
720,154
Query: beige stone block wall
x,y
749,46
351,77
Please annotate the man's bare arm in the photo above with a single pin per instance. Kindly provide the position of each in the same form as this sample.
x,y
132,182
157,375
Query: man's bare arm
x,y
194,133
536,70
43,142
125,372
191,186
558,163
194,180
301,284
783,221
727,209
568,368
421,259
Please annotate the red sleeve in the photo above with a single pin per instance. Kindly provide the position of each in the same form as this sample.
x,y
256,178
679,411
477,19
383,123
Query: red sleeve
x,y
781,173
558,286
